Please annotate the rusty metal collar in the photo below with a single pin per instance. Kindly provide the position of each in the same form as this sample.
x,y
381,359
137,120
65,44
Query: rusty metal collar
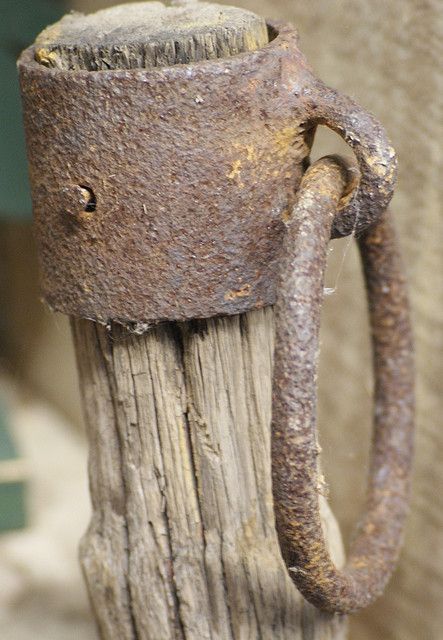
x,y
160,194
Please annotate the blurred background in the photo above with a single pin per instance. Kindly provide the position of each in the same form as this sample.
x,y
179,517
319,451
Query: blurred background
x,y
388,55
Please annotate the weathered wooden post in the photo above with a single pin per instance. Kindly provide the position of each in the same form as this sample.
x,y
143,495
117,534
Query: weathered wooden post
x,y
158,233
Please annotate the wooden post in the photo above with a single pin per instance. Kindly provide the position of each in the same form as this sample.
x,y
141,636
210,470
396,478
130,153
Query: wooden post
x,y
182,542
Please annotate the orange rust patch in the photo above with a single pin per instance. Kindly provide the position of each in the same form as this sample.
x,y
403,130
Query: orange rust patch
x,y
284,139
286,215
244,291
235,171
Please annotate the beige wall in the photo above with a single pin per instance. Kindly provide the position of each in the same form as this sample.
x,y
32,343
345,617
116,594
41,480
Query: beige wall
x,y
36,344
387,55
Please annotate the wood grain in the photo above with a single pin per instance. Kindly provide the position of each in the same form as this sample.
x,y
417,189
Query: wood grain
x,y
182,542
149,34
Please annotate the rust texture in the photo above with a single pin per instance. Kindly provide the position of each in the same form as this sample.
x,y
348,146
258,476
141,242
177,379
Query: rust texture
x,y
160,194
295,450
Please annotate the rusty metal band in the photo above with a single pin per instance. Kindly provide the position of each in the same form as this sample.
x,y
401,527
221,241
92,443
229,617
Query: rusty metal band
x,y
160,194
295,451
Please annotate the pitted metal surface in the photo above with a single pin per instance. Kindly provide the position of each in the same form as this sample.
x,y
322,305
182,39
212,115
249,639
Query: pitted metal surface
x,y
161,193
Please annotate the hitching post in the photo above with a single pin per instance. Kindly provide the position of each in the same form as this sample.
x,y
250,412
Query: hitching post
x,y
158,232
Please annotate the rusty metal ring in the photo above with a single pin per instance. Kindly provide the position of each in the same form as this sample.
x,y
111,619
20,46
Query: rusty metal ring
x,y
295,469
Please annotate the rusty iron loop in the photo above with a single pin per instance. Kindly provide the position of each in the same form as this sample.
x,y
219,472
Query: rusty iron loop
x,y
295,451
364,203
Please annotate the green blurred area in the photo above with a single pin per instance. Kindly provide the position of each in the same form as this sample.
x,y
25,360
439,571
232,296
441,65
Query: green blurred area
x,y
12,482
20,22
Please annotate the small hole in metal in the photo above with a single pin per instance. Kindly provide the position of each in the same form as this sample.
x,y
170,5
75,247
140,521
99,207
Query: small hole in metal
x,y
272,32
91,202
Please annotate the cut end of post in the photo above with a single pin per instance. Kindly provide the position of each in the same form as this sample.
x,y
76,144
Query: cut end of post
x,y
149,34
